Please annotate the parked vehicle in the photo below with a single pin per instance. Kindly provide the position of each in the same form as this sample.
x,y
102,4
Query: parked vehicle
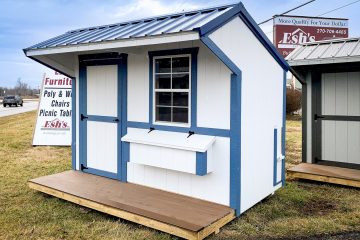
x,y
12,100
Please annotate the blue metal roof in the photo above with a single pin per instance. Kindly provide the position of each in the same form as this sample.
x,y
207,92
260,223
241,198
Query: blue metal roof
x,y
174,23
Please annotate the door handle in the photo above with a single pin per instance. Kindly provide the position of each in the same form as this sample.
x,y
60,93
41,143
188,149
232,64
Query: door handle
x,y
116,120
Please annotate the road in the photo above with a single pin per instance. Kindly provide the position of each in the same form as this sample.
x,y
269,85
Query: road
x,y
28,106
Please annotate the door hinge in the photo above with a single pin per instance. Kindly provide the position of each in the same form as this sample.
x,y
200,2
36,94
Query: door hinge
x,y
116,120
82,167
82,117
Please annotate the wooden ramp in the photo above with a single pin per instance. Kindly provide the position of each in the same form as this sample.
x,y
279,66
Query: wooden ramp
x,y
176,214
329,174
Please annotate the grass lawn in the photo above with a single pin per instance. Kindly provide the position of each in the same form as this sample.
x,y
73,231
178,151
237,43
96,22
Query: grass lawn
x,y
301,209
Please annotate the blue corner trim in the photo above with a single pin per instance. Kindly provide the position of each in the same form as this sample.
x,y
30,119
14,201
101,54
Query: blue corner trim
x,y
275,181
193,52
235,143
283,132
100,173
197,130
122,110
73,123
201,163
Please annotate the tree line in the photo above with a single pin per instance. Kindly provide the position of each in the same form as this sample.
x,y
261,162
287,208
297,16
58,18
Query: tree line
x,y
21,88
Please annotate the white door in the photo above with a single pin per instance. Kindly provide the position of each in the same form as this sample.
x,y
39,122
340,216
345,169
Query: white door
x,y
100,122
340,115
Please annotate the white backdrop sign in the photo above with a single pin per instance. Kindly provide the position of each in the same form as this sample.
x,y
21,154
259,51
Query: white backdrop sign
x,y
53,124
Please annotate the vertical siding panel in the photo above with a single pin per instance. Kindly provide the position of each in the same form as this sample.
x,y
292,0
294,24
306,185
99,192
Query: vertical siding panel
x,y
329,127
341,109
354,110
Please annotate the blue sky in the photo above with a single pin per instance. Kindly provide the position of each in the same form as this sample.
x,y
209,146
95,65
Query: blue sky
x,y
26,22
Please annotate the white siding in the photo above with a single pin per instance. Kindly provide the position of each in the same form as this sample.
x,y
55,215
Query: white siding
x,y
261,95
102,90
212,187
213,86
102,146
213,99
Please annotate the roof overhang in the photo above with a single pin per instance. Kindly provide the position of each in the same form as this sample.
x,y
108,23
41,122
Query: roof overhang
x,y
121,43
333,60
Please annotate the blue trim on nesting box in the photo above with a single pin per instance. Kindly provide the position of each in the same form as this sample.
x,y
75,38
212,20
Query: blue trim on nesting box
x,y
73,123
201,163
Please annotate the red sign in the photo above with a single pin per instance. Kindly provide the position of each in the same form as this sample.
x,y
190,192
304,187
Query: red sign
x,y
291,31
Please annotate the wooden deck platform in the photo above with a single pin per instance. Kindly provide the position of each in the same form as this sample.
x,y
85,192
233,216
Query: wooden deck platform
x,y
176,214
329,174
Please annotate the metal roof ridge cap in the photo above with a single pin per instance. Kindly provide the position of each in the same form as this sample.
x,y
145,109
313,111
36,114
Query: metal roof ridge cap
x,y
158,16
333,40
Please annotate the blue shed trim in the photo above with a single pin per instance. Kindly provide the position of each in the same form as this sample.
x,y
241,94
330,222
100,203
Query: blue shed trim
x,y
73,123
260,35
221,20
122,110
121,119
235,143
221,55
197,130
239,10
275,181
193,52
98,118
283,133
235,124
201,163
102,173
82,110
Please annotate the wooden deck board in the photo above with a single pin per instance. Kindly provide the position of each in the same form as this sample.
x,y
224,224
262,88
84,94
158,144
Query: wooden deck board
x,y
183,216
330,174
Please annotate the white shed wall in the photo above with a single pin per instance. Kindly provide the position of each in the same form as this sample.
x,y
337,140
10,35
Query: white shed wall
x,y
212,187
213,86
262,107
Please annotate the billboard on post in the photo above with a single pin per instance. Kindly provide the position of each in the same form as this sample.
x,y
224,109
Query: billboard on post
x,y
291,31
53,124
